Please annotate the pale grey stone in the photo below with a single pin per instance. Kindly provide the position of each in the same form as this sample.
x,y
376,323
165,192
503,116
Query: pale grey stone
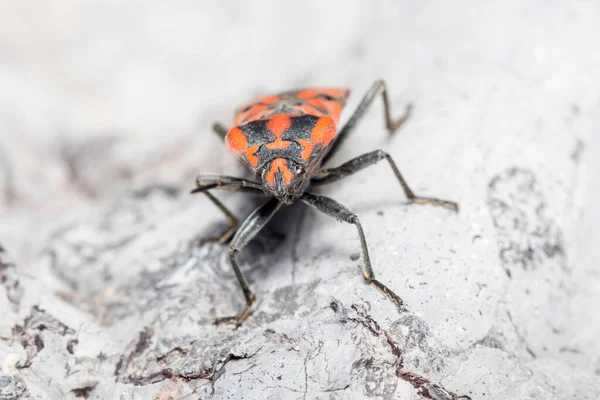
x,y
105,114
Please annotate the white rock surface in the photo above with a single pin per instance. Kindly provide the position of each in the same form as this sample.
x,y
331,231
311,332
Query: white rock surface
x,y
105,110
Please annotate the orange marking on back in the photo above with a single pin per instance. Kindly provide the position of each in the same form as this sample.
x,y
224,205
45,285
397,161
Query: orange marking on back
x,y
278,144
236,140
260,108
307,149
307,94
269,99
331,107
278,124
279,165
335,109
270,176
251,157
324,131
287,174
341,94
318,103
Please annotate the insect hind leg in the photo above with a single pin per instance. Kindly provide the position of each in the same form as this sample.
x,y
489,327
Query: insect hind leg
x,y
219,129
391,124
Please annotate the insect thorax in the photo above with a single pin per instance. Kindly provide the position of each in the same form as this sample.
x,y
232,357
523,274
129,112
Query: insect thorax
x,y
282,149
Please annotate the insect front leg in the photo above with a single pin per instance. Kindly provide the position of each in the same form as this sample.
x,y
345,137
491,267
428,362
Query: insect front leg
x,y
205,182
391,124
341,213
231,219
249,228
329,175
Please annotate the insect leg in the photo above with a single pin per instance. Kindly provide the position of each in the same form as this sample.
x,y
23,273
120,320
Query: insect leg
x,y
392,125
223,182
231,218
341,213
219,129
249,228
204,182
329,175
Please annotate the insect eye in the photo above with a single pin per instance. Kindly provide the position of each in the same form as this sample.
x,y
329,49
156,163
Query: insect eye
x,y
299,170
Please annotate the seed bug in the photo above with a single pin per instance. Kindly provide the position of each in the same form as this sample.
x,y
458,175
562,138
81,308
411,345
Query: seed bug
x,y
286,140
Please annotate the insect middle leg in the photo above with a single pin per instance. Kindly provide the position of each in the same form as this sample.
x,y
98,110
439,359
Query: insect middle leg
x,y
329,175
249,228
341,213
392,125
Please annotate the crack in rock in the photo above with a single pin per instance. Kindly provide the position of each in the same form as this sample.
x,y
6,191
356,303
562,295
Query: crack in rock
x,y
151,359
12,387
29,335
425,388
429,390
8,279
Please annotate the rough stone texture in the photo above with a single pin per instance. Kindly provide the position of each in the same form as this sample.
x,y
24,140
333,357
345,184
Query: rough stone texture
x,y
105,109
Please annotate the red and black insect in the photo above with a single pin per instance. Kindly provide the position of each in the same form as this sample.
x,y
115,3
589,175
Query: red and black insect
x,y
286,140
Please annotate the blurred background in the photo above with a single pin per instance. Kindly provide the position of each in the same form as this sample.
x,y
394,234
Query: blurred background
x,y
99,98
104,94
